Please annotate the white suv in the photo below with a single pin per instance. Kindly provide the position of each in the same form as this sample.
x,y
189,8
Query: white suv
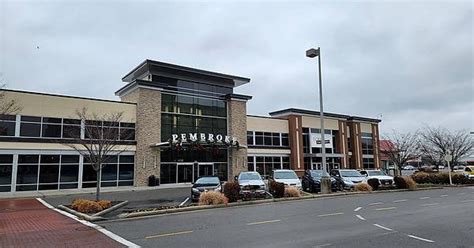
x,y
384,179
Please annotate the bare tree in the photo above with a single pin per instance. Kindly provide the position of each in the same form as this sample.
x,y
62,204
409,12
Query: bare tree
x,y
435,143
400,148
100,140
8,106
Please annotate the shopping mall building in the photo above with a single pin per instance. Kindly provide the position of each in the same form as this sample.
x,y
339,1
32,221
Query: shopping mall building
x,y
181,123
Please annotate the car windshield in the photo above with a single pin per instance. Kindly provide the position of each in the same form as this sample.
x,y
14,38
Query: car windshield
x,y
317,173
208,181
285,175
249,176
351,173
376,173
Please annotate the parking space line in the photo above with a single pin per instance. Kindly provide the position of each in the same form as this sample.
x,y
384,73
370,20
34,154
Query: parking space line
x,y
384,209
402,200
382,227
360,217
375,203
357,209
168,234
463,193
262,222
324,245
429,204
467,201
182,203
422,239
443,195
424,197
332,214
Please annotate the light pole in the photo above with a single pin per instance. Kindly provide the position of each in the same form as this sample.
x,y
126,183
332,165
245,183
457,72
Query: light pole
x,y
325,179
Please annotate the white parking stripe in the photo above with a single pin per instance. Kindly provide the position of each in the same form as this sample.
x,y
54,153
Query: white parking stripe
x,y
443,195
467,201
402,200
422,239
429,204
357,209
425,197
182,203
375,203
384,228
360,217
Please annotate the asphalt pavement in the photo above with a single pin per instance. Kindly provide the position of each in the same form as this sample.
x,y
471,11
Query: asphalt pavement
x,y
424,218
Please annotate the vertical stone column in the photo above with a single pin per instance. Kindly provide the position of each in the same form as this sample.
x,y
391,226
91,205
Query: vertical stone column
x,y
295,126
376,144
147,132
342,144
356,145
237,127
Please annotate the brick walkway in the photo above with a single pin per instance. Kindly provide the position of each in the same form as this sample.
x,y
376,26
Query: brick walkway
x,y
28,223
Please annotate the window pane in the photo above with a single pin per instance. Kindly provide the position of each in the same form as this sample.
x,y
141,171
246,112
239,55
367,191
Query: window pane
x,y
7,128
185,104
28,159
126,172
72,121
51,120
71,131
69,173
109,172
168,173
127,134
5,174
126,159
89,173
69,159
276,139
8,117
50,159
30,130
49,173
27,174
6,159
30,118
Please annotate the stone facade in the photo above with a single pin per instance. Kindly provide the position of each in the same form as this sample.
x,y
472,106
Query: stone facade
x,y
237,125
148,132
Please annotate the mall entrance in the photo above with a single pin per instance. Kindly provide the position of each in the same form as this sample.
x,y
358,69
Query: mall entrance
x,y
190,172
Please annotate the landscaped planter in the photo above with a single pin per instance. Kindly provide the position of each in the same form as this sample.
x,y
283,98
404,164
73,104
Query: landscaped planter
x,y
93,216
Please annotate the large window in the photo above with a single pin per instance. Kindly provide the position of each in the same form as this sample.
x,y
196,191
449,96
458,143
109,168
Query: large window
x,y
6,167
200,106
7,125
367,144
266,164
192,87
368,163
267,139
117,171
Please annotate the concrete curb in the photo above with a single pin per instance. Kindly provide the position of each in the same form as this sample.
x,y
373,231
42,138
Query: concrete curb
x,y
80,215
266,201
108,210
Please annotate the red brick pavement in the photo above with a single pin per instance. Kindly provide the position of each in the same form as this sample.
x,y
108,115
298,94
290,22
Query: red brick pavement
x,y
28,223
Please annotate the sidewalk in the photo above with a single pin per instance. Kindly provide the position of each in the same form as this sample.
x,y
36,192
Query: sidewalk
x,y
29,223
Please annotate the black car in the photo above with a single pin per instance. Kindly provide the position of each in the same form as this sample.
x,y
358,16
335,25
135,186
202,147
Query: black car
x,y
204,184
311,181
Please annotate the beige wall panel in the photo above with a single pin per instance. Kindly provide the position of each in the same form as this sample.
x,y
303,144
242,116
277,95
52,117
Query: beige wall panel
x,y
315,122
59,106
46,146
254,151
366,127
267,124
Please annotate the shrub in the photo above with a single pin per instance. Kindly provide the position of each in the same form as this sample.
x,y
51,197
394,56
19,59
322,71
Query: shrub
x,y
439,178
212,198
422,177
292,192
411,185
276,189
86,206
374,183
232,191
105,204
363,187
400,182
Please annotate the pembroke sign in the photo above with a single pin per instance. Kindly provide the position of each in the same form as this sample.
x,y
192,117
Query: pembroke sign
x,y
203,137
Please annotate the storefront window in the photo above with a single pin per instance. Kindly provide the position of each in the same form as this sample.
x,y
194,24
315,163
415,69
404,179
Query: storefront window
x,y
7,125
6,167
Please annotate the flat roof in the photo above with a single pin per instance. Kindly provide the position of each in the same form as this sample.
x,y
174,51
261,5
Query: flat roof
x,y
289,111
154,66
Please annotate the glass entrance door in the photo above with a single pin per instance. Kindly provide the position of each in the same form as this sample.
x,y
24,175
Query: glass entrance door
x,y
185,173
205,169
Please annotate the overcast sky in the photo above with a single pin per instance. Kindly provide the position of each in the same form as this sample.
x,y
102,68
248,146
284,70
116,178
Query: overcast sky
x,y
409,64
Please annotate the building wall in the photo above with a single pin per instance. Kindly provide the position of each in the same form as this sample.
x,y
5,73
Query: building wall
x,y
295,124
237,124
147,132
255,123
315,122
36,104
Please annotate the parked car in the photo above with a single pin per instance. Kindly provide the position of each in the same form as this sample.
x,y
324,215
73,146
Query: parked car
x,y
204,184
384,179
348,177
469,171
287,177
459,168
311,181
408,167
251,183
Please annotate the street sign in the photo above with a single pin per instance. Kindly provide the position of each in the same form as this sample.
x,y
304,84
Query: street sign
x,y
448,158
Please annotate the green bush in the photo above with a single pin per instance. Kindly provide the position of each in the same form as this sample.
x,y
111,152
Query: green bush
x,y
232,191
276,189
400,182
374,183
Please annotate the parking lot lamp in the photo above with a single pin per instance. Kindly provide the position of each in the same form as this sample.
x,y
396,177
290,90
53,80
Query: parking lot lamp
x,y
325,179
